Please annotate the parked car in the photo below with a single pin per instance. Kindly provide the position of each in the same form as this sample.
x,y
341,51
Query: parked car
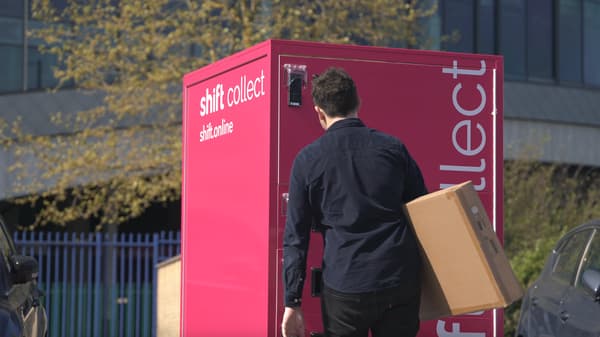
x,y
565,299
21,313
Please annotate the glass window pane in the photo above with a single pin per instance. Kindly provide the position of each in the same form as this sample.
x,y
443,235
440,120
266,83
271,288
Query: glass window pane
x,y
569,40
33,69
13,8
486,31
458,17
40,70
592,259
59,4
432,26
7,249
11,30
569,256
540,58
512,37
591,42
11,60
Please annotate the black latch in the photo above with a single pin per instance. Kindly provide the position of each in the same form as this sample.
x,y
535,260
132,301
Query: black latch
x,y
295,90
316,281
296,80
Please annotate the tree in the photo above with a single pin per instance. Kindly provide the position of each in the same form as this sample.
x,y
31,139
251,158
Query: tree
x,y
123,155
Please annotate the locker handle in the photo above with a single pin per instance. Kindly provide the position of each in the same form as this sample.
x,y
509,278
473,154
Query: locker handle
x,y
285,198
295,90
296,81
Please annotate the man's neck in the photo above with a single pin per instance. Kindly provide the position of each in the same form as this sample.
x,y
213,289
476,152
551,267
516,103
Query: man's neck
x,y
330,121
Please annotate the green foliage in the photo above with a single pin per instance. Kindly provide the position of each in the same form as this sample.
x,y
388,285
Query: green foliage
x,y
542,201
527,265
118,158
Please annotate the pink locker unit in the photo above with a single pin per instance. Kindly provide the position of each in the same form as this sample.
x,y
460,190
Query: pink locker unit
x,y
244,119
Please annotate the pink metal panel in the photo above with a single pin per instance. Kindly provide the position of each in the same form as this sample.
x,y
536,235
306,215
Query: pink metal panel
x,y
226,245
443,112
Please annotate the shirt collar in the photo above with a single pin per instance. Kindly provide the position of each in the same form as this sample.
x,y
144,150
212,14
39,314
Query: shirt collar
x,y
346,122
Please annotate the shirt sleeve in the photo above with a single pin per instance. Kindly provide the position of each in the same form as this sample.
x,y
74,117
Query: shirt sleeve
x,y
296,236
414,183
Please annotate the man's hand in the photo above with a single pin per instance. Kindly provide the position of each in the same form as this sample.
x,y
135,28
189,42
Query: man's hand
x,y
293,323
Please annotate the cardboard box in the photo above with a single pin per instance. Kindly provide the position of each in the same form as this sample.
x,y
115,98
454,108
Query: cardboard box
x,y
465,268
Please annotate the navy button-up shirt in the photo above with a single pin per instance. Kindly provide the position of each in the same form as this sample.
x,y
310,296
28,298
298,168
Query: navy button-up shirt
x,y
353,181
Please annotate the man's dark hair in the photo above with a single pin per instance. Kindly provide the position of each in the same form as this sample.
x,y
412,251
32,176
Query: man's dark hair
x,y
334,91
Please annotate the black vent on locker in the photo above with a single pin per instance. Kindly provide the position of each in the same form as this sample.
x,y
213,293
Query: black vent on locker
x,y
296,82
295,90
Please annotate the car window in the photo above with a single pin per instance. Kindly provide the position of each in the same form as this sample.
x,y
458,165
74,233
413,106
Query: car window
x,y
592,257
6,246
569,256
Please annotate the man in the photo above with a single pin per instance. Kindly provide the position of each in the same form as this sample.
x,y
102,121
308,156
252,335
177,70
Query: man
x,y
353,181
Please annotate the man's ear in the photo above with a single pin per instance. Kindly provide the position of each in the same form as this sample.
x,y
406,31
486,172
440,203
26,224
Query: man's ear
x,y
322,116
320,112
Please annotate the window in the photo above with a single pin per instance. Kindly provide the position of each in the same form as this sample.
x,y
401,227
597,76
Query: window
x,y
11,8
569,256
7,248
591,42
11,60
540,49
432,27
486,23
458,17
539,39
59,4
512,41
39,69
569,40
592,258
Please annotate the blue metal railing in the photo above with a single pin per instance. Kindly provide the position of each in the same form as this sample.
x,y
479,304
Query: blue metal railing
x,y
99,285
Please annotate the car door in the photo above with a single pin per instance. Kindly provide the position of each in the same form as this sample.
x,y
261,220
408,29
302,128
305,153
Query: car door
x,y
547,295
21,298
580,311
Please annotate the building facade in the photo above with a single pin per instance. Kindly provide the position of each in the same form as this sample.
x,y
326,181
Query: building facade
x,y
551,50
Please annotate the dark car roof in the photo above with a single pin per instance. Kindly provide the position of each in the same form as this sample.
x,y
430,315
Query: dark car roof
x,y
587,225
591,224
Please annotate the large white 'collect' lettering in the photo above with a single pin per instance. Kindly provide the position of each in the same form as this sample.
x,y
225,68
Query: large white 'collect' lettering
x,y
465,127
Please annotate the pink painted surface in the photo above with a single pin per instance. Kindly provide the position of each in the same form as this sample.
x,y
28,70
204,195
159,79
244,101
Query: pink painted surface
x,y
226,216
447,108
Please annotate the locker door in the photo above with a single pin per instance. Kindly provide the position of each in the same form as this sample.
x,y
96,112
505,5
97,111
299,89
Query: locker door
x,y
381,106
